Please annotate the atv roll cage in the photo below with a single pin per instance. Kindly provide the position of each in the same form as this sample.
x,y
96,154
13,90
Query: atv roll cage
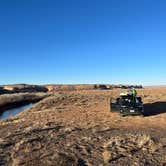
x,y
127,105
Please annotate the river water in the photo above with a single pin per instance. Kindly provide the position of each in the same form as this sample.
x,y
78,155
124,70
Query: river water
x,y
14,111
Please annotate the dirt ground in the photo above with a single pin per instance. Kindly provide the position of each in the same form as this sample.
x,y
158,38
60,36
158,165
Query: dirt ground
x,y
77,128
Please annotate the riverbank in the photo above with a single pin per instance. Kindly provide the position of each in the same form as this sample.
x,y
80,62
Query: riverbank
x,y
9,101
14,111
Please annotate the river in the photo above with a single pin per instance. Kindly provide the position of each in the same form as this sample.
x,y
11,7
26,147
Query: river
x,y
14,111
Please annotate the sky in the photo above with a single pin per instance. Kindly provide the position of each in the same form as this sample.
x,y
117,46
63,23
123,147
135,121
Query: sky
x,y
83,41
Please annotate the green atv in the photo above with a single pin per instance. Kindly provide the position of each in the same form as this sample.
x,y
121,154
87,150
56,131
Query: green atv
x,y
127,105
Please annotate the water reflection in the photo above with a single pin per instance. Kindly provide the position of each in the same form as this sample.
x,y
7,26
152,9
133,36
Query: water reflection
x,y
6,114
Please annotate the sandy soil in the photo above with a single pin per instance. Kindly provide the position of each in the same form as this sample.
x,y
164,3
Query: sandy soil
x,y
77,128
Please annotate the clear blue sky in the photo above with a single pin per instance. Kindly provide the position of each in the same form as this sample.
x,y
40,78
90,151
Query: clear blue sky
x,y
83,41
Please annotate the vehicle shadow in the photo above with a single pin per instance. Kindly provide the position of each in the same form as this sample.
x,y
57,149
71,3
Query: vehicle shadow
x,y
154,108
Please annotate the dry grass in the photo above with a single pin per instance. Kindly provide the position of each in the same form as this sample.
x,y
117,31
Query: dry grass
x,y
74,128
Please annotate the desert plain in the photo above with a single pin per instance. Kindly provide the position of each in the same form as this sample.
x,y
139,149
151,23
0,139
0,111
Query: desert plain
x,y
75,127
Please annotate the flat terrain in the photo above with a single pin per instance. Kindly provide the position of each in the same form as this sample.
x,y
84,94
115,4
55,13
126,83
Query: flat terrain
x,y
77,128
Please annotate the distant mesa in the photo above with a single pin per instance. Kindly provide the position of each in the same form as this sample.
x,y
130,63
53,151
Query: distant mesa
x,y
20,88
63,87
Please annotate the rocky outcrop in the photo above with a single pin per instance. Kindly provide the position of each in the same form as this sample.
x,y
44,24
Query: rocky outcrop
x,y
19,88
4,91
103,86
55,87
78,87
